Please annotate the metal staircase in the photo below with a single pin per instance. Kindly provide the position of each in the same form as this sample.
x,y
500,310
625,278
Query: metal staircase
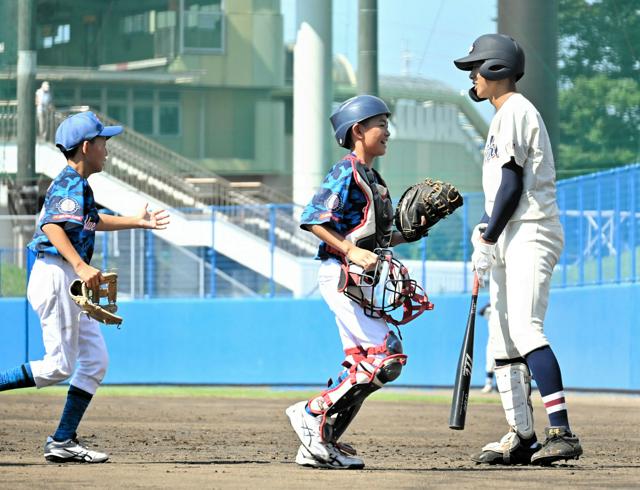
x,y
198,195
181,183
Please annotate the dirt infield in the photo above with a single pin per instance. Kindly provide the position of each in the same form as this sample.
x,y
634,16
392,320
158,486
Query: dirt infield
x,y
219,442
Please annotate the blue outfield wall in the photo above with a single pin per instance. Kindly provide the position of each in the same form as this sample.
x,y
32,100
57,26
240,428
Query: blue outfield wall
x,y
595,332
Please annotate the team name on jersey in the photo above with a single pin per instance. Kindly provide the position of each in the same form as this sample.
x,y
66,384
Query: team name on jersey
x,y
89,225
491,150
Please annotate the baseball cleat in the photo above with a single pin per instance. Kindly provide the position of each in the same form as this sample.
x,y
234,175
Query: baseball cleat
x,y
511,450
560,443
71,451
307,428
338,459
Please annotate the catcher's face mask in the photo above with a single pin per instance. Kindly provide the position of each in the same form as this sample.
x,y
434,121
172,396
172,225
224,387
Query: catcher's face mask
x,y
384,288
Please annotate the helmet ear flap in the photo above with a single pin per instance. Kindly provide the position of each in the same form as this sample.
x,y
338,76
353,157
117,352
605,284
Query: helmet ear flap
x,y
496,69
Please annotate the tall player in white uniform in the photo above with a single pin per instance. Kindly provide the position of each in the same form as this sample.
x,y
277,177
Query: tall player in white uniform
x,y
519,240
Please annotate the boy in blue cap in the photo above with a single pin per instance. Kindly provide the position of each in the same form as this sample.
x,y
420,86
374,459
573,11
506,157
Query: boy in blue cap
x,y
63,245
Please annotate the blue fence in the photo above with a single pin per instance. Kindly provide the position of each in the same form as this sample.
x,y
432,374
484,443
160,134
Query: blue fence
x,y
295,341
601,220
600,214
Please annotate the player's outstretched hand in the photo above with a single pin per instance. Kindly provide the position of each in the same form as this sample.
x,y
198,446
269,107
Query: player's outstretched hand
x,y
154,220
362,257
90,275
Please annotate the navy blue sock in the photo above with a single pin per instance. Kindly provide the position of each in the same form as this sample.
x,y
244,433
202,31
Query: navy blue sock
x,y
77,403
18,377
545,369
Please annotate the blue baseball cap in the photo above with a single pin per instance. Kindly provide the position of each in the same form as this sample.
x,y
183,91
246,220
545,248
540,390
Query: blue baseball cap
x,y
80,127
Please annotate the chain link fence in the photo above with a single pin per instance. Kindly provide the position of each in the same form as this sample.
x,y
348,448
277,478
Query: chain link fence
x,y
600,214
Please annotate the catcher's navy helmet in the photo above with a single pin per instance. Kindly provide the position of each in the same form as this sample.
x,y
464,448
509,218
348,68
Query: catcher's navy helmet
x,y
501,55
355,110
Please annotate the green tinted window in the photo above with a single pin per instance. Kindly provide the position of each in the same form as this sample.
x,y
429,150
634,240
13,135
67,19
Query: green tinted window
x,y
202,24
143,119
169,120
117,112
141,94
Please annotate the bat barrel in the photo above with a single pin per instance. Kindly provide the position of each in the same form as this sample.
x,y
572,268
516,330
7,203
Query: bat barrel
x,y
460,401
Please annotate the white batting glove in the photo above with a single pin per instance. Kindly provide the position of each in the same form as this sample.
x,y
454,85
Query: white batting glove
x,y
482,259
478,230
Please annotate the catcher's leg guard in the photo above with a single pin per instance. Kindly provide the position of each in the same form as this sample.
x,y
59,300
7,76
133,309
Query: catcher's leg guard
x,y
366,371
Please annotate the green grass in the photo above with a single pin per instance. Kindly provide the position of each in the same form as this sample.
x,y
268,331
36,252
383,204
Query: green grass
x,y
13,280
441,397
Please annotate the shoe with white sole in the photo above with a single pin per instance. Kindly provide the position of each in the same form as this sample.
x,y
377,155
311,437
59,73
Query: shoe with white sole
x,y
307,428
71,451
338,459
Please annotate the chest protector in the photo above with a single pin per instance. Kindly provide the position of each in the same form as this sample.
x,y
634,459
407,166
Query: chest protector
x,y
375,229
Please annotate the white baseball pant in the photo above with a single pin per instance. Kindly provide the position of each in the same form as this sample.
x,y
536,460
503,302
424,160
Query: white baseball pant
x,y
73,341
526,253
355,328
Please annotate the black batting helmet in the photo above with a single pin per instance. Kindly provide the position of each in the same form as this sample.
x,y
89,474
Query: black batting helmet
x,y
501,55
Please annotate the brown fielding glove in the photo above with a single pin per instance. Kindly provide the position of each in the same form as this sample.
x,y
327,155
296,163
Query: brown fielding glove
x,y
431,200
89,299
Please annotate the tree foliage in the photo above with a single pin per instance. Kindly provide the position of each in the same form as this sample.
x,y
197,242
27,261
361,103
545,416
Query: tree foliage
x,y
599,89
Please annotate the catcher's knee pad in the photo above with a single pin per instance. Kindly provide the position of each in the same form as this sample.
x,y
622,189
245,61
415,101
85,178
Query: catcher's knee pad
x,y
514,385
366,371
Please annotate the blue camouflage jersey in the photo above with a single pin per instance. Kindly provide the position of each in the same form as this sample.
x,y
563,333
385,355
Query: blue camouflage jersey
x,y
339,202
69,202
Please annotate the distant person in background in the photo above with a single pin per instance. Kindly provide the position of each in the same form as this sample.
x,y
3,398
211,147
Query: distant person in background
x,y
44,107
490,363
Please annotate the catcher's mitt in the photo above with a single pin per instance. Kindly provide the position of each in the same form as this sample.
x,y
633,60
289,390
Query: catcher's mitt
x,y
89,298
431,200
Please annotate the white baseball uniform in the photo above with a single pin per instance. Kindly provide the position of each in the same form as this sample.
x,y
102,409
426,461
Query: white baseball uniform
x,y
73,341
355,328
530,245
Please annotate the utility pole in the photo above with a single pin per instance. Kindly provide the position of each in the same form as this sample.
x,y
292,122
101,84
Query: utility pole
x,y
26,94
24,191
368,47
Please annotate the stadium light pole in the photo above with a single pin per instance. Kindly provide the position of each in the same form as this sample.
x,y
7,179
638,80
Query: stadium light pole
x,y
368,47
26,76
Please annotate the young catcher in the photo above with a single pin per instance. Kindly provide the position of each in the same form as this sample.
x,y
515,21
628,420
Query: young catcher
x,y
351,213
63,245
336,215
519,240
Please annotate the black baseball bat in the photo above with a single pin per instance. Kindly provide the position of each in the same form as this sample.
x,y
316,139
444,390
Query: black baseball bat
x,y
465,364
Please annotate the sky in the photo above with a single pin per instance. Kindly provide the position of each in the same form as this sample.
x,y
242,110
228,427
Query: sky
x,y
415,37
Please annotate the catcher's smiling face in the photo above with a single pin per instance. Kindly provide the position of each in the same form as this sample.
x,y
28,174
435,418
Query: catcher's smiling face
x,y
370,137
